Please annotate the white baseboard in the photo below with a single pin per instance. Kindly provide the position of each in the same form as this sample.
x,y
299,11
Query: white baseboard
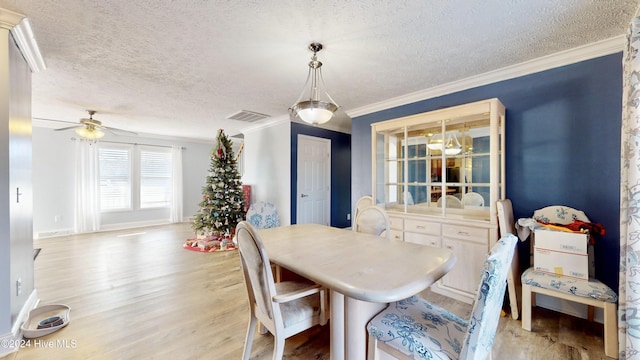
x,y
133,225
53,233
9,342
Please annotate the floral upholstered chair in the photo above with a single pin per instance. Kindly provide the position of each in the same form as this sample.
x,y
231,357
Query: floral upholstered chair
x,y
263,215
591,292
414,328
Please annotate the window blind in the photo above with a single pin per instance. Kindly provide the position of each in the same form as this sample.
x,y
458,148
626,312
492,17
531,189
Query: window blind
x,y
115,178
155,179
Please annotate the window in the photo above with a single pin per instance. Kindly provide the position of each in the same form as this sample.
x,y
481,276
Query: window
x,y
155,179
134,178
115,178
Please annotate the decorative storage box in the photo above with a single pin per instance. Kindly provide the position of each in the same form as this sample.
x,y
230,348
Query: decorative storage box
x,y
563,253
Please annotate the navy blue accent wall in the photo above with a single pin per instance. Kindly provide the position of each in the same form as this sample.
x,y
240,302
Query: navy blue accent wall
x,y
340,171
562,144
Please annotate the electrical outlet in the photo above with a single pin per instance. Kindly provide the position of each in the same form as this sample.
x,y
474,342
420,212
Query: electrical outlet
x,y
348,216
18,287
57,218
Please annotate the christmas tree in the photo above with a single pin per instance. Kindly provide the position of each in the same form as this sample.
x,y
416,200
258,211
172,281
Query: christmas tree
x,y
222,205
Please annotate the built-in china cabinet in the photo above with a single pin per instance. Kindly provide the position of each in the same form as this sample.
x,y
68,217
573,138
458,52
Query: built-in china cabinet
x,y
438,174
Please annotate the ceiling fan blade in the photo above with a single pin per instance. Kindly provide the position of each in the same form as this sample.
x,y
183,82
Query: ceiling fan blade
x,y
118,132
67,128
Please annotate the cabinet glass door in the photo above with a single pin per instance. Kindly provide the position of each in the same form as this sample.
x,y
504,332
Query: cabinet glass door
x,y
440,163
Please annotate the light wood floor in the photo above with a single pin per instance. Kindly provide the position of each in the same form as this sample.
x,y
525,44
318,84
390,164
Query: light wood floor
x,y
137,294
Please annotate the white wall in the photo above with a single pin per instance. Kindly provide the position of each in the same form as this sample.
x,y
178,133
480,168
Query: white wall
x,y
267,166
53,182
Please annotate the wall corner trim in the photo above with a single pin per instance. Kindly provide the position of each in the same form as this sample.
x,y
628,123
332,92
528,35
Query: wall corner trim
x,y
562,58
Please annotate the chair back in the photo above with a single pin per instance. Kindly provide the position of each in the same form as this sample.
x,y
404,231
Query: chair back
x,y
373,220
362,203
559,214
257,272
472,199
452,202
505,217
485,314
409,198
263,215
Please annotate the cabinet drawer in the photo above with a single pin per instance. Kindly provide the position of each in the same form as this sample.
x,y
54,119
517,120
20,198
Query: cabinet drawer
x,y
397,222
396,235
421,226
422,239
469,233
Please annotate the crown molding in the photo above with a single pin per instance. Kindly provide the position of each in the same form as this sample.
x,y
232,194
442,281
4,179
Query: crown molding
x,y
267,124
20,28
567,57
23,35
9,19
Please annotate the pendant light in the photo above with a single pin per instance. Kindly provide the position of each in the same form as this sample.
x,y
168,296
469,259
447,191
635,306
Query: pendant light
x,y
310,106
453,146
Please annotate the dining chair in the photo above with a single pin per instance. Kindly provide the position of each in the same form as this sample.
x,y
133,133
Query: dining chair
x,y
362,203
452,202
472,199
373,220
414,328
591,292
285,308
263,215
506,224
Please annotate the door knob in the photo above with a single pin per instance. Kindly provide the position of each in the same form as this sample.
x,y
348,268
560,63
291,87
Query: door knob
x,y
303,195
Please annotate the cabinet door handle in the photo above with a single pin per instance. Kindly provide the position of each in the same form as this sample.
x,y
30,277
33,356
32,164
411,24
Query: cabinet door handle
x,y
449,247
422,227
463,233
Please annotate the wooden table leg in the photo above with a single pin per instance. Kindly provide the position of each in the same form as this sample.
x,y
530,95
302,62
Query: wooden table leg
x,y
357,315
337,326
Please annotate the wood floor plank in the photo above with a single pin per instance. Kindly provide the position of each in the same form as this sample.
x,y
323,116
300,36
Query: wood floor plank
x,y
136,294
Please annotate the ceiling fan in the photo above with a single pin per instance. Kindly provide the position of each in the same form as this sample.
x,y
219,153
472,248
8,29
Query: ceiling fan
x,y
92,129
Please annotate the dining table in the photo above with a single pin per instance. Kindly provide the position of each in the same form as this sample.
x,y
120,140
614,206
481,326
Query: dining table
x,y
363,272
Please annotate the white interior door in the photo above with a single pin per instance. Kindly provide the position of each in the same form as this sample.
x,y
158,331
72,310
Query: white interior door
x,y
314,180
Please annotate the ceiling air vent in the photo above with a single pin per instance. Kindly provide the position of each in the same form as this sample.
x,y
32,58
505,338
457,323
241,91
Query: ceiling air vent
x,y
247,116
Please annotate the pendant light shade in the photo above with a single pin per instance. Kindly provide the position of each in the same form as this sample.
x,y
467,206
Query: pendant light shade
x,y
314,105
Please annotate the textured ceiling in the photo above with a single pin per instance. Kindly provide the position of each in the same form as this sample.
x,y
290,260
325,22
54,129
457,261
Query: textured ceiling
x,y
180,68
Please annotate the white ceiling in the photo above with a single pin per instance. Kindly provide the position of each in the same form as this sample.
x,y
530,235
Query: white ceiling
x,y
180,68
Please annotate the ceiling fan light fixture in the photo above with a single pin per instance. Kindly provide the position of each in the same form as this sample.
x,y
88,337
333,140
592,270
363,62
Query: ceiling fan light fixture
x,y
90,133
315,110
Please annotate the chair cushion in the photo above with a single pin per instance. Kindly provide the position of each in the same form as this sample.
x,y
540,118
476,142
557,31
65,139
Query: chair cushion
x,y
417,327
591,288
299,309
